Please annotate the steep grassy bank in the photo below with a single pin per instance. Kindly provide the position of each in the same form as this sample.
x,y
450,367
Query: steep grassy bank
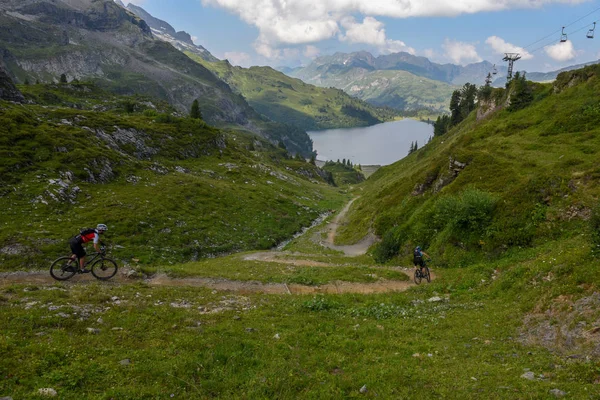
x,y
294,102
170,188
520,177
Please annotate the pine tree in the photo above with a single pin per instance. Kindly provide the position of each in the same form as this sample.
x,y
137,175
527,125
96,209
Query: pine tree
x,y
455,100
63,78
195,111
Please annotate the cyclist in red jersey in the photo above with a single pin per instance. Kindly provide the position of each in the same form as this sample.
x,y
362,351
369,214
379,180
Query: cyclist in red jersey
x,y
86,236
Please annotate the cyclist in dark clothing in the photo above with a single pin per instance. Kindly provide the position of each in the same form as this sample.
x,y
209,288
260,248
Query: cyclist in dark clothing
x,y
86,236
418,260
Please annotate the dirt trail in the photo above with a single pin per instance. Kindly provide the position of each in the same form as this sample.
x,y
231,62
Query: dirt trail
x,y
352,250
243,287
247,287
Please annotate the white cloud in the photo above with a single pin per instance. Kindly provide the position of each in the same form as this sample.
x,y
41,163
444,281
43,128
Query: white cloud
x,y
396,46
562,51
460,52
372,32
500,46
311,51
238,58
429,53
294,22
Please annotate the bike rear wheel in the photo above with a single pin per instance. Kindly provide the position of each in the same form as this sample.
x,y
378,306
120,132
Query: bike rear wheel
x,y
104,269
427,274
417,276
63,268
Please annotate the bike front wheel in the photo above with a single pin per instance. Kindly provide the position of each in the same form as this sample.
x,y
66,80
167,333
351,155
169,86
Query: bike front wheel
x,y
63,268
104,269
427,274
417,276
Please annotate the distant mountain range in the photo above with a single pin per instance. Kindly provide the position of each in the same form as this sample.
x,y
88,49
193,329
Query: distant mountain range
x,y
272,93
402,80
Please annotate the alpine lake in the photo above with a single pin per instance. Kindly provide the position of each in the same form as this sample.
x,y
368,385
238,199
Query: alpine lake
x,y
380,144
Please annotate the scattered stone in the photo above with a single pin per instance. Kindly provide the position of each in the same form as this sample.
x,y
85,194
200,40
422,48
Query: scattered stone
x,y
93,331
116,328
528,375
250,330
363,389
126,361
6,398
416,355
435,299
47,392
100,320
276,337
473,378
557,393
237,317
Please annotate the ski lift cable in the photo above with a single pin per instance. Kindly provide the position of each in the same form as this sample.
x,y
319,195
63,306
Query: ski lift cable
x,y
570,33
566,26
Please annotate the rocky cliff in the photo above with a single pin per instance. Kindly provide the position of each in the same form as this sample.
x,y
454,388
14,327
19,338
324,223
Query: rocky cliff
x,y
8,91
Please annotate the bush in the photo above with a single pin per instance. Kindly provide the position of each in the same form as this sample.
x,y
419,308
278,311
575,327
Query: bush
x,y
388,247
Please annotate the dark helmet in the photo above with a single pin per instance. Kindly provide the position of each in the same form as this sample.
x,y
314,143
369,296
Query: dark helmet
x,y
418,248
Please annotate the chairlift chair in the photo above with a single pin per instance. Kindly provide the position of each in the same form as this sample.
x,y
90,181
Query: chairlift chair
x,y
590,34
563,36
494,70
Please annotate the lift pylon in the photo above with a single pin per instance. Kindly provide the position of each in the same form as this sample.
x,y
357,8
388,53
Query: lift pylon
x,y
511,58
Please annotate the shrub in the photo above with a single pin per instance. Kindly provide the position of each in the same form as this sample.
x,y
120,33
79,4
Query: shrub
x,y
388,247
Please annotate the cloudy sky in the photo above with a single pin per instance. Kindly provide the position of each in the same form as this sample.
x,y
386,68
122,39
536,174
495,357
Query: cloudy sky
x,y
293,32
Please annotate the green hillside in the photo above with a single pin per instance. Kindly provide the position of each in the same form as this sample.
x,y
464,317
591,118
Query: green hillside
x,y
169,187
400,90
291,101
102,42
524,176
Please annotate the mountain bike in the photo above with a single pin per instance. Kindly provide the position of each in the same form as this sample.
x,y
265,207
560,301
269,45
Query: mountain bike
x,y
102,267
422,272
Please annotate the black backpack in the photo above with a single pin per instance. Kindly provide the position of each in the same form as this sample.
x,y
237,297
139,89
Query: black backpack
x,y
417,257
87,231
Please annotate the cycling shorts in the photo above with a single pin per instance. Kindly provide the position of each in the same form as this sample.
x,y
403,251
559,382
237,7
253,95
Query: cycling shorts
x,y
77,247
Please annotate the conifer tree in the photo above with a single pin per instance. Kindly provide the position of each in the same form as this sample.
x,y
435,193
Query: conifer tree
x,y
195,111
63,78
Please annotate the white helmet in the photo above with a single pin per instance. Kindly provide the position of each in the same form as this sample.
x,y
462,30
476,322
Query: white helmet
x,y
102,228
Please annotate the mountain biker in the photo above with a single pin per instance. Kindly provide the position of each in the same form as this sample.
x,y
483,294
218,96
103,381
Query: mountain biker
x,y
418,258
86,236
